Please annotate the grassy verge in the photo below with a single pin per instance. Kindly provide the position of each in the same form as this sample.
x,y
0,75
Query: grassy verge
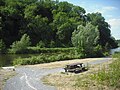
x,y
100,77
45,58
47,55
50,50
4,76
38,50
110,77
71,81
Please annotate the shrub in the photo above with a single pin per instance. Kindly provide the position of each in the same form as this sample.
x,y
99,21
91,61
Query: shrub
x,y
85,38
41,44
52,44
20,46
50,50
44,58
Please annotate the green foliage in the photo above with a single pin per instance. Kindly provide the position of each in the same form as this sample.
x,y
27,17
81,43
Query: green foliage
x,y
41,44
20,46
110,77
50,50
86,40
47,55
52,44
48,20
118,41
2,46
44,58
97,19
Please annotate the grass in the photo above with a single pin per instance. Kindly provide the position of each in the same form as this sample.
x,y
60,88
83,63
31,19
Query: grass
x,y
38,50
110,76
45,58
4,76
47,55
50,50
105,76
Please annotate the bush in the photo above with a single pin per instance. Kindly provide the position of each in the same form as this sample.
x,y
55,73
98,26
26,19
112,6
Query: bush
x,y
44,58
50,50
85,38
41,44
20,46
52,44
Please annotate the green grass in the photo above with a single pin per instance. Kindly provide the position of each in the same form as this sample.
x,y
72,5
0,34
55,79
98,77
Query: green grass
x,y
110,76
47,55
45,58
107,77
38,50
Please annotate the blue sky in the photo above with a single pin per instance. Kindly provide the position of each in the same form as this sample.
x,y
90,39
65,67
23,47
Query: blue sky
x,y
110,9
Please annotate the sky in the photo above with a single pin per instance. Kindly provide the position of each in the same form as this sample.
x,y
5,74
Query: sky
x,y
110,10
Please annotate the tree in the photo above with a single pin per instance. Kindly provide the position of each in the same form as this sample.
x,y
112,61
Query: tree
x,y
86,38
20,46
38,29
104,29
2,46
46,21
64,33
41,44
12,19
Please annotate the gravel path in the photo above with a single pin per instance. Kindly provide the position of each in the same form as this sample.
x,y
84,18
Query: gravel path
x,y
29,78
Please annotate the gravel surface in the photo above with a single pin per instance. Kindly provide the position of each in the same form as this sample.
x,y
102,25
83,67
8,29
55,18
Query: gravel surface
x,y
28,78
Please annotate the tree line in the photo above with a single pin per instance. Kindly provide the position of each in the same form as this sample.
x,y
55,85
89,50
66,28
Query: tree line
x,y
50,23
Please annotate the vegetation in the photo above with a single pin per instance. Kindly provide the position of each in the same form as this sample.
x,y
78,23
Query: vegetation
x,y
118,41
86,40
110,77
2,46
104,76
51,50
4,76
27,26
48,23
43,59
20,46
49,55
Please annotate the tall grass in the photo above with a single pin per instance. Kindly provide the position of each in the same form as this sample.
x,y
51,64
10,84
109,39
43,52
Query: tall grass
x,y
38,50
109,76
45,58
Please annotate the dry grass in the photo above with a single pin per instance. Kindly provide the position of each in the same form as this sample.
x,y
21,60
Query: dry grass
x,y
5,75
71,81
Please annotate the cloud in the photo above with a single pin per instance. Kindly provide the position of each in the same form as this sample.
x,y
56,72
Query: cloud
x,y
114,22
115,27
104,9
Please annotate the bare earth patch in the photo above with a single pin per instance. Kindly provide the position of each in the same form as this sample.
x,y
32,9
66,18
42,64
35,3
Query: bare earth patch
x,y
80,81
4,76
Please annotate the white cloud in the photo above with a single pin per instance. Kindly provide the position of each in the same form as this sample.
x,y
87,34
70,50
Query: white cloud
x,y
114,22
115,27
104,9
